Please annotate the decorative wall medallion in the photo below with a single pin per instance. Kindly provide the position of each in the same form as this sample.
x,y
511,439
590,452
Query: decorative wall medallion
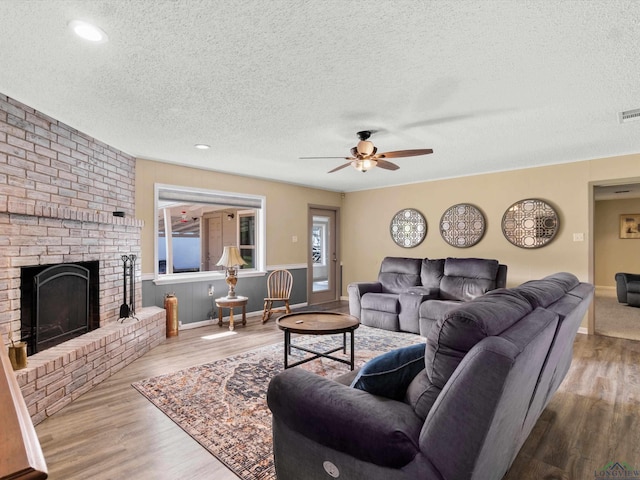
x,y
462,225
408,228
530,223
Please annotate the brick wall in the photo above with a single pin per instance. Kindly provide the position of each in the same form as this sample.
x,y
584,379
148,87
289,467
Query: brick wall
x,y
58,190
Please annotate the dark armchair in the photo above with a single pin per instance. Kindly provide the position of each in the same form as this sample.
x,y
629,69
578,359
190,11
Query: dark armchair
x,y
628,288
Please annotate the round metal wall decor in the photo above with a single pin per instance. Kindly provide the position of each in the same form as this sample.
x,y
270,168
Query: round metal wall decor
x,y
408,228
462,225
530,223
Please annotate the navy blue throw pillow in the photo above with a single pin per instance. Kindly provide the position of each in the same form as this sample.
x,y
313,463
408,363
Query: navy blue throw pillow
x,y
390,374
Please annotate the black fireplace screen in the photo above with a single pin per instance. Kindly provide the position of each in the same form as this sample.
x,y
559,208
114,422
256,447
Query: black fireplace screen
x,y
59,307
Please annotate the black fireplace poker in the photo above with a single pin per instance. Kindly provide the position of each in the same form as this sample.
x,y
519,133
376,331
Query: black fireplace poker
x,y
128,310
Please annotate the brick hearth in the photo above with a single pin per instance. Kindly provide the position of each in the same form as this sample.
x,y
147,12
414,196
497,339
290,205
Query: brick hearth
x,y
58,375
58,190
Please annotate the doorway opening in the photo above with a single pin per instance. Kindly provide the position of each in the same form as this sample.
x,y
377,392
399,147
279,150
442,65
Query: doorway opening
x,y
613,252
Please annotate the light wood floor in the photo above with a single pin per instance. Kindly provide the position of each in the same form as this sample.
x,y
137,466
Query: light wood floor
x,y
113,432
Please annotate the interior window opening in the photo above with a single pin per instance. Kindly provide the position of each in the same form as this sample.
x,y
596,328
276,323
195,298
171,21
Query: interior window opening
x,y
194,226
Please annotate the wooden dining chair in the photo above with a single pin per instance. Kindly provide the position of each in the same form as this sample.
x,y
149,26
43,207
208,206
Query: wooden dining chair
x,y
279,285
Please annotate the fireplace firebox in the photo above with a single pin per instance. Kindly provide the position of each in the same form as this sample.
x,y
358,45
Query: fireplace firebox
x,y
58,303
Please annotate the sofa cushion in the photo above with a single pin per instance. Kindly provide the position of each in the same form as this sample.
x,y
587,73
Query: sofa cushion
x,y
390,374
436,309
382,302
383,320
467,278
455,334
370,428
544,292
397,274
566,280
539,294
463,288
409,310
471,268
431,272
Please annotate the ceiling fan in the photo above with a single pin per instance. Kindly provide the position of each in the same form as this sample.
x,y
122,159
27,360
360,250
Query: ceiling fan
x,y
364,156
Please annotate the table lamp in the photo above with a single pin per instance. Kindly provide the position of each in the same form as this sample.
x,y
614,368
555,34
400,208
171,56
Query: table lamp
x,y
230,260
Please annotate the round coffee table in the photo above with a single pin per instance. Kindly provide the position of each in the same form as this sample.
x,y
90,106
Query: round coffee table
x,y
317,323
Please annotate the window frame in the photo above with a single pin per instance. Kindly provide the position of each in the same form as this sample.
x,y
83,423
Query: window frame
x,y
244,201
252,246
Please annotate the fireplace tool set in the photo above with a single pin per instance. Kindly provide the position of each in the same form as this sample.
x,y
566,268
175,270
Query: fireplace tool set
x,y
129,270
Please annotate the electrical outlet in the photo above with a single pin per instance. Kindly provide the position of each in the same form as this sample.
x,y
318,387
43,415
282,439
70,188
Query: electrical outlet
x,y
211,290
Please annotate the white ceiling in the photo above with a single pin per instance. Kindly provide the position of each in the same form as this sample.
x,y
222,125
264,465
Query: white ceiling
x,y
490,85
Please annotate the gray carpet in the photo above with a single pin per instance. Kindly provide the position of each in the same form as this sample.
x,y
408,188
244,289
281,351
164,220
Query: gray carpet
x,y
615,319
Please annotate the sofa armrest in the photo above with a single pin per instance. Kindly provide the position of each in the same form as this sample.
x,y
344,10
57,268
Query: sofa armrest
x,y
410,301
356,291
373,429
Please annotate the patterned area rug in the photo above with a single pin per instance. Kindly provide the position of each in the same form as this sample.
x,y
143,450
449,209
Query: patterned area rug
x,y
223,405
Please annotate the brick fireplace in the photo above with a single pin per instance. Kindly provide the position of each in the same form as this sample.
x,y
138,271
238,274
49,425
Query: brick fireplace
x,y
58,190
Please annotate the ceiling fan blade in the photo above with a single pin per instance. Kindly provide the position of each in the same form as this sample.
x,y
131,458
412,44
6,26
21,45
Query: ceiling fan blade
x,y
340,167
405,153
316,158
387,165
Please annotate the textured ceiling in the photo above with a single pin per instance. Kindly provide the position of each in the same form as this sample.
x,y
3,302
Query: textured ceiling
x,y
489,85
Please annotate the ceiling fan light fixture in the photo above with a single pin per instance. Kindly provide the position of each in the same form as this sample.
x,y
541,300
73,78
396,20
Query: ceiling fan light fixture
x,y
364,165
365,156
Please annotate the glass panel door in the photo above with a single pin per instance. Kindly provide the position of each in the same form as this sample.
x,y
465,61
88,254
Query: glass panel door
x,y
322,260
319,254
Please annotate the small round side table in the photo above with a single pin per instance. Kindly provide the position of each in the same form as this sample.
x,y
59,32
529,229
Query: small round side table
x,y
231,303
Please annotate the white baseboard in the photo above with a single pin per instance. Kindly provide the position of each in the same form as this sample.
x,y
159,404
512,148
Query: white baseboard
x,y
583,330
606,291
214,321
203,323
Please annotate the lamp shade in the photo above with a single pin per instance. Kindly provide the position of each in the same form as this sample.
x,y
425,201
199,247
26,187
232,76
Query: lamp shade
x,y
230,257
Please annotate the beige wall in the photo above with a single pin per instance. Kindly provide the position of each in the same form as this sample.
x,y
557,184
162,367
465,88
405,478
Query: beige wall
x,y
613,254
287,206
366,216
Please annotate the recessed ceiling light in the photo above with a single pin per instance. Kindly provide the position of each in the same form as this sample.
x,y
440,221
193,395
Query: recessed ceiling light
x,y
88,32
202,146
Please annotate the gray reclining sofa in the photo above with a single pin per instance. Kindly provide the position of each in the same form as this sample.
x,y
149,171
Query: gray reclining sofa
x,y
491,366
411,294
